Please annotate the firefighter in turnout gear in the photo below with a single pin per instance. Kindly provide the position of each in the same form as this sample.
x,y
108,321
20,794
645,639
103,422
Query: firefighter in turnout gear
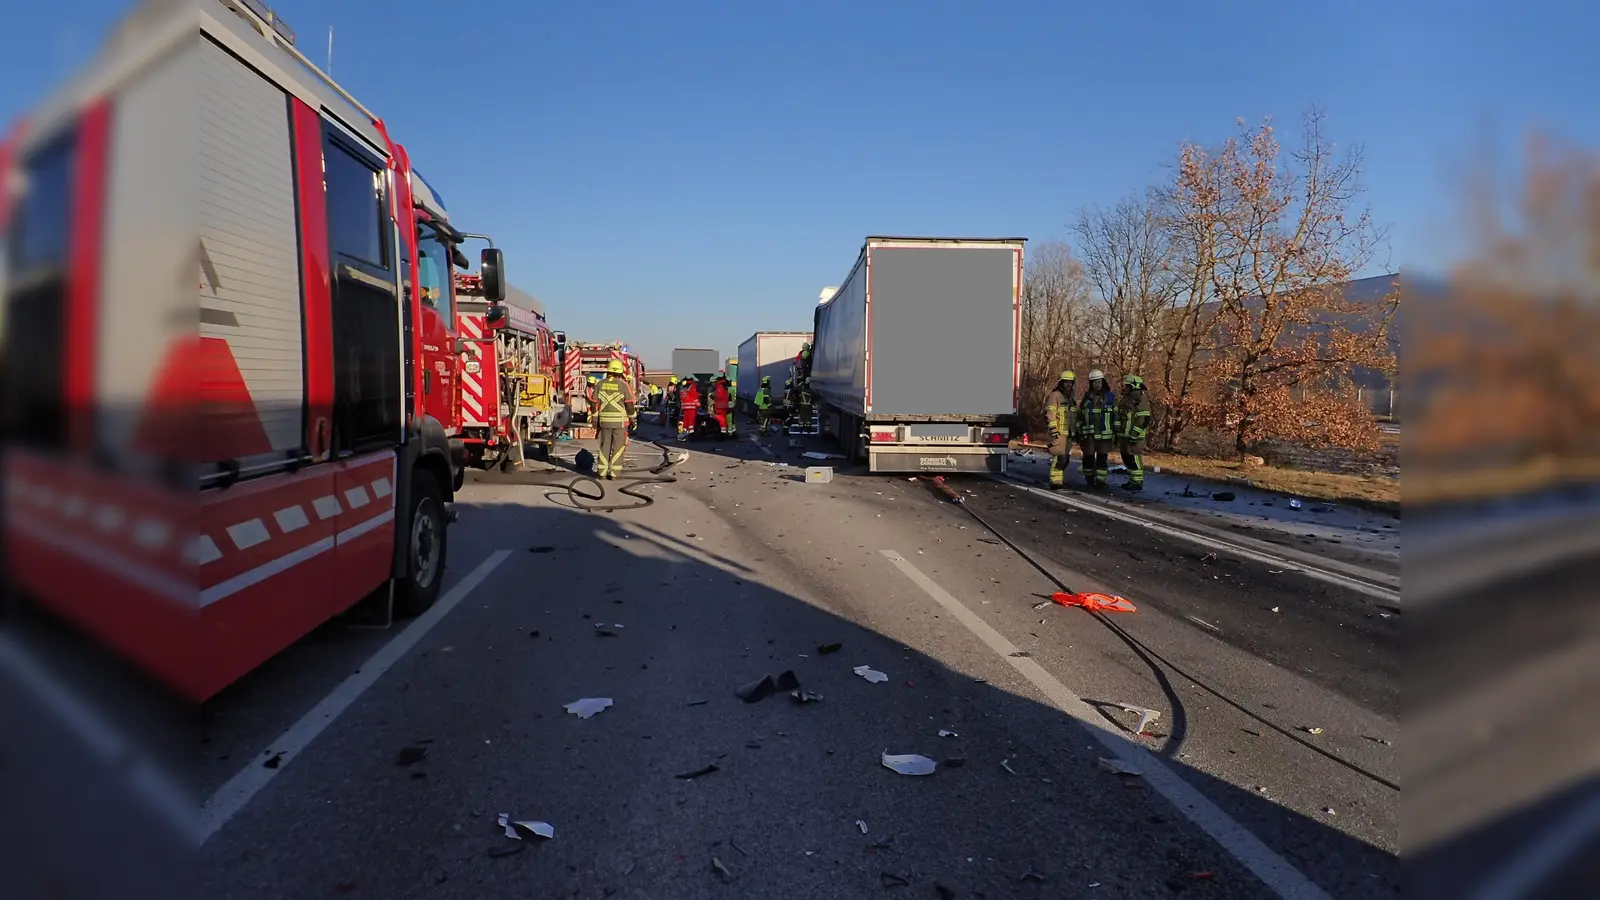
x,y
1097,429
615,406
588,396
689,401
1061,412
720,400
1133,424
671,404
763,404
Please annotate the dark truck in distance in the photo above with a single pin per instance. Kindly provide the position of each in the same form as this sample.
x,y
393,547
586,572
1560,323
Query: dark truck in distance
x,y
915,356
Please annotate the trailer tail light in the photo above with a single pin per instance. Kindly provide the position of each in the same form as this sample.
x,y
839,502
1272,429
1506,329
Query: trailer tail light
x,y
996,437
884,437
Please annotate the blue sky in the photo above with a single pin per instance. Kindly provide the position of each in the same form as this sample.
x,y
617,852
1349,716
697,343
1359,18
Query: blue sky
x,y
685,173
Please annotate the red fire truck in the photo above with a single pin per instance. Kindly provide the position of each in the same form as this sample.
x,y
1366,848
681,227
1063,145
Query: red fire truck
x,y
511,392
580,362
308,408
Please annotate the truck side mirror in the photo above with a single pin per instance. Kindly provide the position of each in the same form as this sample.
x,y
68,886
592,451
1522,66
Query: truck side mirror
x,y
492,272
560,337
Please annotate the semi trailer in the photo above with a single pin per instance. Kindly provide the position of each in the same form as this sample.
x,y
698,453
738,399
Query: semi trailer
x,y
767,354
915,361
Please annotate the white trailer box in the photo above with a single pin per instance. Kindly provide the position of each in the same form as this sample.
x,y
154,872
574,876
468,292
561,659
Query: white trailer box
x,y
767,354
915,360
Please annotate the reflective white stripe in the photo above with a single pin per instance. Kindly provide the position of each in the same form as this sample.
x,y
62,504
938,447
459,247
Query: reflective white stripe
x,y
380,488
291,518
248,533
327,506
357,497
204,550
151,534
264,571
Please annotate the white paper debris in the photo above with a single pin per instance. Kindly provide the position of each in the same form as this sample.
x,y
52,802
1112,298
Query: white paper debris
x,y
1294,504
909,763
862,824
945,732
588,706
870,674
515,828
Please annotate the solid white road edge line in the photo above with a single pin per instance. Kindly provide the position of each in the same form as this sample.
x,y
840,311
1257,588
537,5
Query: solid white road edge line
x,y
147,778
239,790
1283,562
1273,870
1555,846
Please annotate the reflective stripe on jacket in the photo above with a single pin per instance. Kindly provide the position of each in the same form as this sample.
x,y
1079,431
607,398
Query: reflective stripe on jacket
x,y
613,400
1096,415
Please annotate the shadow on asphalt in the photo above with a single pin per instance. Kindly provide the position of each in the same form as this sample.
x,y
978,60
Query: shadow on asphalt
x,y
1059,817
611,781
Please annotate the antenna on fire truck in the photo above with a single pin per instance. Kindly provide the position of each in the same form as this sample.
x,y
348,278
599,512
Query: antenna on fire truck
x,y
330,51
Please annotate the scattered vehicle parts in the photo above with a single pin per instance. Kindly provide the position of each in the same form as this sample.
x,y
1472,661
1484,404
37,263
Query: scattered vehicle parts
x,y
862,824
909,763
697,773
1118,767
588,707
870,674
516,828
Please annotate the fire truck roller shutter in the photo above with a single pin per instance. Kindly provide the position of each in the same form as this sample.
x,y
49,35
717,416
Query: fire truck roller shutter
x,y
250,308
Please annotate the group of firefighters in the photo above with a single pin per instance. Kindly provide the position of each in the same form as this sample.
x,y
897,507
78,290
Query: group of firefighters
x,y
686,402
1098,421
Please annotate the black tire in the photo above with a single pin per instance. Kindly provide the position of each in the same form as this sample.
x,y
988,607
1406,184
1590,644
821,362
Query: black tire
x,y
426,544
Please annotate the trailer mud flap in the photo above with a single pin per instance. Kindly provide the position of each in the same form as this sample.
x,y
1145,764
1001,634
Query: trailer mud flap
x,y
934,459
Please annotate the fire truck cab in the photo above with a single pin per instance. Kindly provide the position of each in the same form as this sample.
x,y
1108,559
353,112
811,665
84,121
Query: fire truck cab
x,y
199,486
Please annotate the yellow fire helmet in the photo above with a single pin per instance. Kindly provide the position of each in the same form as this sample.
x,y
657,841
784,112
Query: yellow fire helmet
x,y
593,380
1069,375
614,367
673,380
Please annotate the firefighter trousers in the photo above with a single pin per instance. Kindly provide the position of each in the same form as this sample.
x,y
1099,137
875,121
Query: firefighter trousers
x,y
613,444
1133,458
686,423
724,417
1060,459
1096,461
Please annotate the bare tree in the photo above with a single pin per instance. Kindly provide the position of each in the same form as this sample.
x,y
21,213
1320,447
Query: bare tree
x,y
1055,306
1128,260
1285,237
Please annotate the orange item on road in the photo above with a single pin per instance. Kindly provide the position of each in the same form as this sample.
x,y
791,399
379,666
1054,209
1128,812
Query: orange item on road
x,y
1095,602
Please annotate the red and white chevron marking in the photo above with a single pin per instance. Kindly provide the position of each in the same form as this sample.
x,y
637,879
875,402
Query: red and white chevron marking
x,y
475,396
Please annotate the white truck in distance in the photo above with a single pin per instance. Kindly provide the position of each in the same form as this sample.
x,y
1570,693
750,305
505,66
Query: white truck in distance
x,y
767,354
914,364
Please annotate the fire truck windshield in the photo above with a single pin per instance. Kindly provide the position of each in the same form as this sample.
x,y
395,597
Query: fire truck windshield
x,y
433,270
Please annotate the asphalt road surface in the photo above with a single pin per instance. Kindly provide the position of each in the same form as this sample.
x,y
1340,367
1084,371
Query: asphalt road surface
x,y
375,763
741,570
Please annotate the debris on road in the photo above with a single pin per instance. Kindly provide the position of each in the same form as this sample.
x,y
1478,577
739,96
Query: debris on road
x,y
588,706
273,761
1294,504
515,828
1223,496
1118,767
541,549
698,702
1094,601
721,869
1277,609
862,824
954,762
891,880
1041,604
945,732
819,475
410,755
909,763
805,696
870,674
1006,764
1146,716
1308,729
1031,875
499,850
825,649
766,686
813,454
690,776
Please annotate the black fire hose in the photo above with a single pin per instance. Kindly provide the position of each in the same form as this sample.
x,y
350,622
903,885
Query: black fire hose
x,y
629,487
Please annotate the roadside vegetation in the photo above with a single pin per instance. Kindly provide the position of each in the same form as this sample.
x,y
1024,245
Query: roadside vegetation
x,y
1225,288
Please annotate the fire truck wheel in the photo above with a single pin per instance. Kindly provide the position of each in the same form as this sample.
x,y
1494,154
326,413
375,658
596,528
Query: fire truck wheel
x,y
425,548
